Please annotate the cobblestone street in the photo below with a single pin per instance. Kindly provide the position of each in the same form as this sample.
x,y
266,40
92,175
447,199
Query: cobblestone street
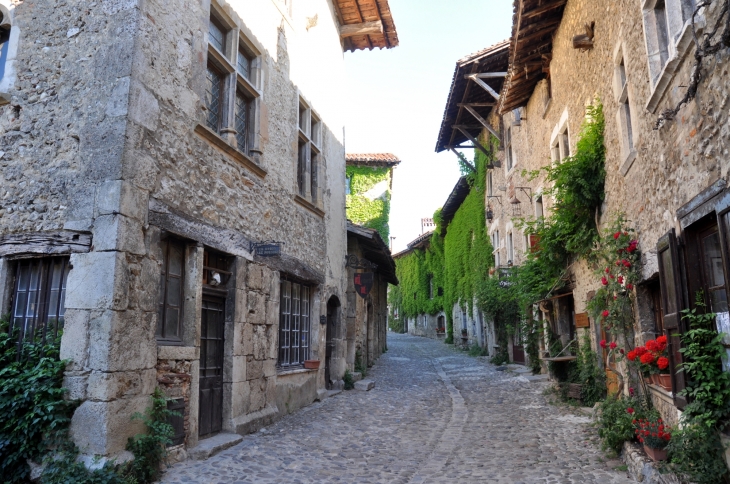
x,y
435,415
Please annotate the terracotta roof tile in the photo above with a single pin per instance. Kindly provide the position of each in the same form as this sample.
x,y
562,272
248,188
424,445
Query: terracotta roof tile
x,y
372,159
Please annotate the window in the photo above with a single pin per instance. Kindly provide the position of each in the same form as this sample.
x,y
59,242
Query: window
x,y
463,320
293,324
231,81
490,184
4,41
310,135
38,297
509,151
621,91
495,245
510,249
561,144
655,294
169,322
539,210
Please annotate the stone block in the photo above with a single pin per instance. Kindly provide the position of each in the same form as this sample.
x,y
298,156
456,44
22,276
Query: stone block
x,y
144,108
75,338
256,308
178,353
234,369
275,286
98,280
271,391
241,306
258,394
254,369
104,386
237,335
255,280
240,273
6,286
267,277
76,386
147,282
260,342
121,197
122,341
272,311
273,342
118,101
364,385
102,428
117,232
247,338
240,395
269,368
211,446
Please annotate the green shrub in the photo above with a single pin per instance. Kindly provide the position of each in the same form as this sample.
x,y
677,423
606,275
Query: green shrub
x,y
591,378
360,365
349,380
476,350
615,420
696,454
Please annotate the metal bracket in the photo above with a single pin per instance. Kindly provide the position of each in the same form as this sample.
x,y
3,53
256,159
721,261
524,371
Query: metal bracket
x,y
524,190
354,262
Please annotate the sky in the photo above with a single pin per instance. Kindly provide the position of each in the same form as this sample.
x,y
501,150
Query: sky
x,y
398,97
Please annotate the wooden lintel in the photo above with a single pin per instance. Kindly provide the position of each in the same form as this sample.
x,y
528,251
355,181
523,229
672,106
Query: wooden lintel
x,y
471,138
486,75
483,122
364,28
36,244
463,160
484,86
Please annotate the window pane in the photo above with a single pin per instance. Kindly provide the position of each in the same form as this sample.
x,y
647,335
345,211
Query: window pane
x,y
175,265
213,85
670,288
302,167
172,317
216,36
173,292
242,121
243,64
713,260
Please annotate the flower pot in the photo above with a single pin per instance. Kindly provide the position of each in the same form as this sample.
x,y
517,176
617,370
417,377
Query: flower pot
x,y
656,454
311,364
664,380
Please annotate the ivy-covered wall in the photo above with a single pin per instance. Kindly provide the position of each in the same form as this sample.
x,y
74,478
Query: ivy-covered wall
x,y
364,207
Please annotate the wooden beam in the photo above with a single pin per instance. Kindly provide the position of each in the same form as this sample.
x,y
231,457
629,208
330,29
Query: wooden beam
x,y
476,105
365,28
483,122
486,75
37,244
463,159
484,86
544,8
549,29
473,140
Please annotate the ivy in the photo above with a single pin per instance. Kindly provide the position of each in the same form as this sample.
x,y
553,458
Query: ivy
x,y
362,210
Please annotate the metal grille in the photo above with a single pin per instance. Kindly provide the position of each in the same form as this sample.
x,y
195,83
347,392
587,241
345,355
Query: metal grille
x,y
214,82
38,298
243,109
294,324
216,36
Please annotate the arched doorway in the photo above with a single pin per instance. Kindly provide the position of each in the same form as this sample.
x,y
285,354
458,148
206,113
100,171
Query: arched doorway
x,y
333,306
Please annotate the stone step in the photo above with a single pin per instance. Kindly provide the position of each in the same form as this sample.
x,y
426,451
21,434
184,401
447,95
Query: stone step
x,y
537,377
212,445
356,376
365,385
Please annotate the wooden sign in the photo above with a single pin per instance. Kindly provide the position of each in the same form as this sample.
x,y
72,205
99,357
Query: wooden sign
x,y
582,321
364,283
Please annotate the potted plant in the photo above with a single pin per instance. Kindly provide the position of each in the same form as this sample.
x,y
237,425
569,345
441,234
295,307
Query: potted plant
x,y
653,362
654,436
311,364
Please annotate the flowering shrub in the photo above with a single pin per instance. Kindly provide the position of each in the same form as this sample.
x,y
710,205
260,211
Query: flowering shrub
x,y
652,433
652,357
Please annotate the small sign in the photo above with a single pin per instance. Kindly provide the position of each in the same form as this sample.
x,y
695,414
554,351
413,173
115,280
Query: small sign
x,y
267,250
364,283
582,321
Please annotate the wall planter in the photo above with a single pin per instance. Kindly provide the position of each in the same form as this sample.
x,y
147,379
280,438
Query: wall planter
x,y
311,364
664,380
656,454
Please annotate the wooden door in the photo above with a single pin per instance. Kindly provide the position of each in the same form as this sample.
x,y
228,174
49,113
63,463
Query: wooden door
x,y
332,307
210,416
518,350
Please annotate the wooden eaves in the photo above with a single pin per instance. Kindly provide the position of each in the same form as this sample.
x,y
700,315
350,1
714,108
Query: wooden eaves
x,y
477,80
533,27
366,24
375,250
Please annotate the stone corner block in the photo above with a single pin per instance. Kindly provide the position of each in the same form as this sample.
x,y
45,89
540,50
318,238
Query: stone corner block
x,y
98,280
364,385
121,197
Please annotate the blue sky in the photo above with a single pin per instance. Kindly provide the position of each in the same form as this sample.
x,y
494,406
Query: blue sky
x,y
397,98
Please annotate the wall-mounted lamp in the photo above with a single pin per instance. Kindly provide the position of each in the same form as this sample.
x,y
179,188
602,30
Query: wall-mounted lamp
x,y
516,206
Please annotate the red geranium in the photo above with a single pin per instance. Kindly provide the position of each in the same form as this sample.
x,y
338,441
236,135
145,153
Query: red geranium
x,y
640,351
647,358
662,362
613,345
620,279
629,286
616,235
626,263
605,313
632,355
630,410
604,281
603,343
651,345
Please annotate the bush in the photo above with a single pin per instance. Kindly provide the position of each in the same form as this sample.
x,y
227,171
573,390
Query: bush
x,y
349,380
615,420
696,455
476,350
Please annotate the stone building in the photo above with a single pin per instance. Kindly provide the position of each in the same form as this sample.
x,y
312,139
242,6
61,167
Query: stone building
x,y
368,189
172,194
668,176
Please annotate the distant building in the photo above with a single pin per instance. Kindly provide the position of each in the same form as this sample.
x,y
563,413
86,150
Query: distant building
x,y
427,225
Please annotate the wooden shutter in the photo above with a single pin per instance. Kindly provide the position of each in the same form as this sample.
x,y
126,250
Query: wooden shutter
x,y
671,288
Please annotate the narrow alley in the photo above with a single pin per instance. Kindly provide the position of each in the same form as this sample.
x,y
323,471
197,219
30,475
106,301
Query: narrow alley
x,y
435,415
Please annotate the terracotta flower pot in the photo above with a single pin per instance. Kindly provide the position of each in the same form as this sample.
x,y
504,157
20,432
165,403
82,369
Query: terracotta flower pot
x,y
656,454
664,380
311,364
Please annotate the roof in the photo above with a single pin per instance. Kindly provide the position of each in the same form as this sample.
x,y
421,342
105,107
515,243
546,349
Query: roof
x,y
533,26
456,198
419,242
374,250
372,159
353,12
464,91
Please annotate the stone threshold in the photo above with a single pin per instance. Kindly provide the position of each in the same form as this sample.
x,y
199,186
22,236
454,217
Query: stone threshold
x,y
212,445
642,468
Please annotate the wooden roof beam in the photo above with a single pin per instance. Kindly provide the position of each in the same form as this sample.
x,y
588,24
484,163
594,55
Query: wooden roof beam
x,y
472,139
463,159
476,105
486,75
364,28
484,86
544,31
544,8
483,122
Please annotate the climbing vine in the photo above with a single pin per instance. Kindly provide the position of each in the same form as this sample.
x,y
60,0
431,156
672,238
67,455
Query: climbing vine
x,y
363,210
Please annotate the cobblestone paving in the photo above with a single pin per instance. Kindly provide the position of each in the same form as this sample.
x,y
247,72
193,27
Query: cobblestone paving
x,y
435,415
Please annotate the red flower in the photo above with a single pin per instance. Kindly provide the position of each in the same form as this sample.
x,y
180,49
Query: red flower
x,y
605,313
620,279
662,363
613,345
630,410
647,358
632,355
651,345
640,351
603,343
611,276
604,281
629,286
632,246
608,270
626,263
634,422
622,351
662,340
616,235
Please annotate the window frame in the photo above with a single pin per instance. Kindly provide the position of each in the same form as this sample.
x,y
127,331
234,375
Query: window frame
x,y
160,336
309,152
287,332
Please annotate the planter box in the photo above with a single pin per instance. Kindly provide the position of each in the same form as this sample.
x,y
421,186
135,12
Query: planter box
x,y
665,381
311,364
656,454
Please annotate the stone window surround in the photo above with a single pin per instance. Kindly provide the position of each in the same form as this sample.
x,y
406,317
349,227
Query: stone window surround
x,y
679,26
622,94
510,160
310,137
237,37
7,82
558,138
496,247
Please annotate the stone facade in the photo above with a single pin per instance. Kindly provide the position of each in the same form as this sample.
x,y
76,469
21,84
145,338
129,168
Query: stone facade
x,y
106,138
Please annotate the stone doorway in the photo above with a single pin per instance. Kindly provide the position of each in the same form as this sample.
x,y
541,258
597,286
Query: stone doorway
x,y
333,306
212,327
